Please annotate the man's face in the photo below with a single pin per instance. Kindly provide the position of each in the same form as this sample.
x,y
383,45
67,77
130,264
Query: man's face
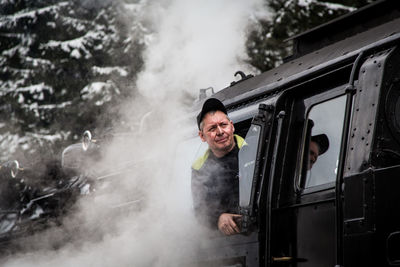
x,y
218,131
314,153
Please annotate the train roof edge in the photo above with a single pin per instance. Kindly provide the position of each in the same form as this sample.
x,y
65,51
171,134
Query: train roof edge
x,y
290,72
352,23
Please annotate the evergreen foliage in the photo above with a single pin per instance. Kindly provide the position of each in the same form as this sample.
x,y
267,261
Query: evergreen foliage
x,y
266,45
64,66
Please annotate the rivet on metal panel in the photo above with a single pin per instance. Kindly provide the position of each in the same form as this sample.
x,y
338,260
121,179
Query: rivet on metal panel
x,y
351,148
374,61
373,104
379,65
376,84
363,70
357,109
300,64
354,129
367,144
362,138
352,135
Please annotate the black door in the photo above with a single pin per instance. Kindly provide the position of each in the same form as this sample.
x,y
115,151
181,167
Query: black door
x,y
303,209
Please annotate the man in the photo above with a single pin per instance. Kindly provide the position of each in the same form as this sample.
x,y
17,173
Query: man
x,y
215,184
319,144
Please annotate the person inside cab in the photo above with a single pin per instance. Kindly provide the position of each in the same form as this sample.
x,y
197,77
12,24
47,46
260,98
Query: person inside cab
x,y
319,144
215,182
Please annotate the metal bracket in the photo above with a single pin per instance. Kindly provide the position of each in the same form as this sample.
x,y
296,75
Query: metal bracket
x,y
243,77
203,92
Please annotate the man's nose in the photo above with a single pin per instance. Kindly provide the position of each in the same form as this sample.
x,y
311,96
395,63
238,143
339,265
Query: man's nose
x,y
219,130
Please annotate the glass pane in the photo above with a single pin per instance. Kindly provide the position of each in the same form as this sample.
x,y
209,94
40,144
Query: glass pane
x,y
326,120
247,159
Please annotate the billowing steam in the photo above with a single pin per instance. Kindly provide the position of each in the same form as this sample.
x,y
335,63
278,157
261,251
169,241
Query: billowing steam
x,y
199,44
196,44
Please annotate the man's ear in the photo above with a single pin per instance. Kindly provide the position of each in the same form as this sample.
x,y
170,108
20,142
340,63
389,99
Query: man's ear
x,y
233,127
202,136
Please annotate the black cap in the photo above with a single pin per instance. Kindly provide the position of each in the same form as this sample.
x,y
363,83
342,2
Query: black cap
x,y
322,141
211,104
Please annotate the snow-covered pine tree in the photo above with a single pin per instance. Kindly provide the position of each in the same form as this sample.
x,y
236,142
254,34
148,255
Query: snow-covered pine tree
x,y
266,47
64,67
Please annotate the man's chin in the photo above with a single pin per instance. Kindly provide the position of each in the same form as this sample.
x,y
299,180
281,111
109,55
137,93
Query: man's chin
x,y
225,147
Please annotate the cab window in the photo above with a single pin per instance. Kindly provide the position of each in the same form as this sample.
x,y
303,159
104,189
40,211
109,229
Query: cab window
x,y
247,159
324,126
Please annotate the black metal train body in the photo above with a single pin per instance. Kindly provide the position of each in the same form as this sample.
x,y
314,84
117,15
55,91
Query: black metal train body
x,y
343,81
33,199
40,197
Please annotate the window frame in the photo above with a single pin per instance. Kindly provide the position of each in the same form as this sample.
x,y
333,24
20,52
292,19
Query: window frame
x,y
309,102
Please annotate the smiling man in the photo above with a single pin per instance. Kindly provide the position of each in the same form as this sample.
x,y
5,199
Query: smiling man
x,y
215,182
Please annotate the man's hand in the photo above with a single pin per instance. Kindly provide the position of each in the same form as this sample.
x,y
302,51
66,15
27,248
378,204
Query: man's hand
x,y
227,224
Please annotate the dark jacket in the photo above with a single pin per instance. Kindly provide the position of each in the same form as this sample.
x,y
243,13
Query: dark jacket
x,y
215,185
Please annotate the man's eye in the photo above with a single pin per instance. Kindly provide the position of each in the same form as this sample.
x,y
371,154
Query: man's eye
x,y
212,129
224,125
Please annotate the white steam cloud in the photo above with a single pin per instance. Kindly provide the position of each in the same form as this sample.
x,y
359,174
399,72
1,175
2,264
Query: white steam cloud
x,y
196,44
199,44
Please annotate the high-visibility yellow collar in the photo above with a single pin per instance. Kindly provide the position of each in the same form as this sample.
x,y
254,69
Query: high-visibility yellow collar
x,y
201,160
